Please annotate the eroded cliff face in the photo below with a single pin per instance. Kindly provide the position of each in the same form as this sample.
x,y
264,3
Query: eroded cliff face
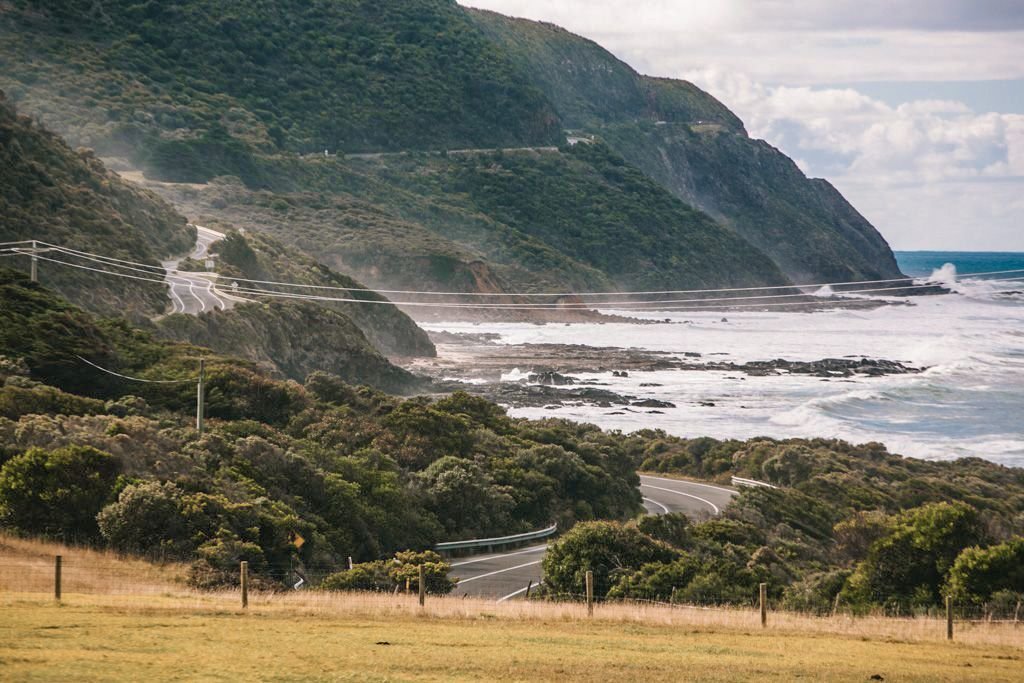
x,y
804,224
693,146
294,340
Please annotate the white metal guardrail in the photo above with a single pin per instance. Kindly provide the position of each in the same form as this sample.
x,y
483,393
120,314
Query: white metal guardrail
x,y
498,541
751,483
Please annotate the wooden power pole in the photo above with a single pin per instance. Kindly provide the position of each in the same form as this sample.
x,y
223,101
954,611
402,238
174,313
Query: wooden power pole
x,y
201,396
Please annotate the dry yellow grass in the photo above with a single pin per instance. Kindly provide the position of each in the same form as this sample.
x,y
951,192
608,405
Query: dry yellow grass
x,y
164,631
27,566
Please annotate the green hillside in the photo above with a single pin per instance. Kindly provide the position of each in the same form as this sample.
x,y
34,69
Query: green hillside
x,y
450,118
697,149
52,193
589,87
156,78
353,471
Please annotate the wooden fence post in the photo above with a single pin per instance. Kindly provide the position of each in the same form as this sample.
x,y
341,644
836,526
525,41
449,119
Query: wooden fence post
x,y
57,561
244,571
528,587
423,586
763,599
949,618
590,593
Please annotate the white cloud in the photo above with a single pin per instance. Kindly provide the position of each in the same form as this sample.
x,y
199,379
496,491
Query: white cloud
x,y
928,173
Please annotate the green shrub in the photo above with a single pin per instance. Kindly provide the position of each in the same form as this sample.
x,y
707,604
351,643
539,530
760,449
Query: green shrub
x,y
148,518
402,571
57,493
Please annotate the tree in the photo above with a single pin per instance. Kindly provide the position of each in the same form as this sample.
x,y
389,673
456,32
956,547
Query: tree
x,y
57,492
464,498
978,573
147,517
386,575
908,566
608,549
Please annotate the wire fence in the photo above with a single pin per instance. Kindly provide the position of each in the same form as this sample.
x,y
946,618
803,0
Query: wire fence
x,y
97,573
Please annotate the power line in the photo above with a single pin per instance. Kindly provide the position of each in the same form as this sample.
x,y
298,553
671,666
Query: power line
x,y
534,294
663,304
136,379
660,304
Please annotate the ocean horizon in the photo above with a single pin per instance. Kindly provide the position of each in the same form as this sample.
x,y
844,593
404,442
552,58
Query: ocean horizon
x,y
923,263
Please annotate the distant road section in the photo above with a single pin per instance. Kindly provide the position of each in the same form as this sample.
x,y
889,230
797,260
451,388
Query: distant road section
x,y
193,293
506,575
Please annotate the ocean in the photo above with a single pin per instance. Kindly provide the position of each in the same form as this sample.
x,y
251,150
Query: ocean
x,y
969,401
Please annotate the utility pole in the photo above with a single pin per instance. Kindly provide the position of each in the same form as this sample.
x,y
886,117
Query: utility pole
x,y
201,396
35,263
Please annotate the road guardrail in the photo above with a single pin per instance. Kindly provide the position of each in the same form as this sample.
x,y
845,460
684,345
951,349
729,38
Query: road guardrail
x,y
751,483
498,541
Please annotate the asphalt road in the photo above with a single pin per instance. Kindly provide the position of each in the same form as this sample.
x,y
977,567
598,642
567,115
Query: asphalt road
x,y
194,293
505,575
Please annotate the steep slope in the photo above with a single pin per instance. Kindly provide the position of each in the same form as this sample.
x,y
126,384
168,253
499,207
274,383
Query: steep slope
x,y
578,218
589,87
163,82
259,257
294,340
695,147
49,192
474,194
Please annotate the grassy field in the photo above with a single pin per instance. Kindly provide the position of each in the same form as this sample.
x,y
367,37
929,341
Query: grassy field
x,y
124,619
166,638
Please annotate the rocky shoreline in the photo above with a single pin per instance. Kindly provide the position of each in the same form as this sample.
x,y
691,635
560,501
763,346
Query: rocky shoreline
x,y
551,373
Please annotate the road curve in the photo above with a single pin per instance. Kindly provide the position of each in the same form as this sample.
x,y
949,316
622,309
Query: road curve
x,y
505,575
195,293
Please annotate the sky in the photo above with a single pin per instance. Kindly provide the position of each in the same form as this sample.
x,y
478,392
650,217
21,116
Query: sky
x,y
914,109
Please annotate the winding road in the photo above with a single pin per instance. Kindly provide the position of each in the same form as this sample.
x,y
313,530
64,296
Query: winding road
x,y
506,575
194,293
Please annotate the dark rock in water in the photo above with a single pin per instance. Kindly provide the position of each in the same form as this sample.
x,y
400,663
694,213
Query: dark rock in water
x,y
725,320
652,403
650,384
707,404
691,354
552,379
655,412
620,373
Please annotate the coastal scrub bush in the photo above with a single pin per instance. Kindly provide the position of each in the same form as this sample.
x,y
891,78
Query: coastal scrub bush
x,y
402,571
979,573
147,518
609,549
58,492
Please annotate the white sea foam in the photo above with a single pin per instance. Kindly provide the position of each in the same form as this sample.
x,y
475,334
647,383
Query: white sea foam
x,y
970,401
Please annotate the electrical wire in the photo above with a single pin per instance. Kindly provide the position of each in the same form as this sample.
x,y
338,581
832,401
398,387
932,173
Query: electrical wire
x,y
533,294
661,304
137,379
664,304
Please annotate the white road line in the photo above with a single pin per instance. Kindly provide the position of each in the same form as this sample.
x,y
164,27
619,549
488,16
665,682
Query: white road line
x,y
500,571
519,592
680,493
209,288
534,549
651,500
689,483
192,291
177,300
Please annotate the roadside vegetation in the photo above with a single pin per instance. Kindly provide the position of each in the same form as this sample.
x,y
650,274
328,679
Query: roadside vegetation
x,y
91,458
851,528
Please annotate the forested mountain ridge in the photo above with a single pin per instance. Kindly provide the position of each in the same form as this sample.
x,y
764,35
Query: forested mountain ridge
x,y
459,120
295,75
696,148
52,193
49,192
